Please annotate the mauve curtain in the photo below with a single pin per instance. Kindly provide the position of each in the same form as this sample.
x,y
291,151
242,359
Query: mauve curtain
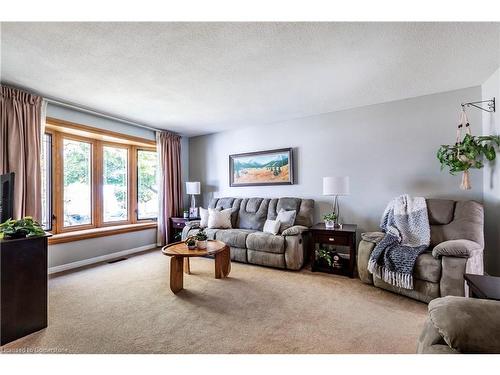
x,y
170,197
20,134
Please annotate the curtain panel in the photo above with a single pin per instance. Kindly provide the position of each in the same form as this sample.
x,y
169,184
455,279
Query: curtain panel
x,y
170,195
20,137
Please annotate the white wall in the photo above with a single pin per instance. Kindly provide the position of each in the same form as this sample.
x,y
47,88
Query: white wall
x,y
70,252
83,118
491,175
386,149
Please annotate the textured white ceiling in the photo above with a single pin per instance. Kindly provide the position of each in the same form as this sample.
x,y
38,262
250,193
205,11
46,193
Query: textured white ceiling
x,y
198,78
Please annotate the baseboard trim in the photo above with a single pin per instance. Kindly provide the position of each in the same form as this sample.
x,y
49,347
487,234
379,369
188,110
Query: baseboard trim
x,y
102,258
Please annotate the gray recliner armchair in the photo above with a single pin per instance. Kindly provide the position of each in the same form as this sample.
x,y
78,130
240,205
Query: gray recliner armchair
x,y
457,243
461,325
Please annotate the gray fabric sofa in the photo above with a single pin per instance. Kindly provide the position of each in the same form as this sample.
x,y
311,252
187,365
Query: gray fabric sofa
x,y
461,325
457,243
247,241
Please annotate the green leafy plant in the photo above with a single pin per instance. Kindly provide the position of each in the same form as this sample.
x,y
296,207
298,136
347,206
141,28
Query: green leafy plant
x,y
191,242
201,235
324,254
26,227
330,217
468,154
177,236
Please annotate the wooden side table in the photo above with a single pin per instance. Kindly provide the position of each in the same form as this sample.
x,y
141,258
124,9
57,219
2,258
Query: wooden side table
x,y
180,255
329,238
482,286
176,226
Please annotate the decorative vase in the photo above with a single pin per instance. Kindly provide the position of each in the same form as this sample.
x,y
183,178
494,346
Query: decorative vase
x,y
329,223
192,247
201,244
465,185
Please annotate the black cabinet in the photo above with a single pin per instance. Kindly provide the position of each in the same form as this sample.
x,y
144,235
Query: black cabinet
x,y
23,287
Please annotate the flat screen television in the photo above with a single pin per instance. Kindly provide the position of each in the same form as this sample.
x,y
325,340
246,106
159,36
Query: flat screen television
x,y
6,196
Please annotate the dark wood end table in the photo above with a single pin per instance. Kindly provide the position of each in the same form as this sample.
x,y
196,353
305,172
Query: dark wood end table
x,y
176,226
344,236
482,286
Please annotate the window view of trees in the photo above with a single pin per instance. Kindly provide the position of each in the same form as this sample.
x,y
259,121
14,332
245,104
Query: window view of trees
x,y
114,188
77,182
147,184
95,183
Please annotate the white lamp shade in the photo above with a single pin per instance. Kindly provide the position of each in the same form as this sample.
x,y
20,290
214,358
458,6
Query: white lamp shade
x,y
336,185
193,187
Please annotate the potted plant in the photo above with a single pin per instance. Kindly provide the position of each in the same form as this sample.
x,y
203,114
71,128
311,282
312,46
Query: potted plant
x,y
330,220
324,256
191,242
26,227
468,154
330,259
186,214
201,239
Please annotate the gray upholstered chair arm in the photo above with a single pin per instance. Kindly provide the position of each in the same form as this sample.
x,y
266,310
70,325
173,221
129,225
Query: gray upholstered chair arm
x,y
365,249
374,237
193,224
295,230
185,232
456,248
468,325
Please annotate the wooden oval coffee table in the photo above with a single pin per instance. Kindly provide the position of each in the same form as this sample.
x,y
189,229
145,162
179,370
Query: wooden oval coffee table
x,y
179,257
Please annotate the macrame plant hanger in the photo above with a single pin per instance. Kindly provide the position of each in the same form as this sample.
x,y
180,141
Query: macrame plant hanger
x,y
463,123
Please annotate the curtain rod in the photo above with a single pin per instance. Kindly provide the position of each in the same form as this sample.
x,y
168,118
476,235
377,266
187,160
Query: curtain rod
x,y
99,114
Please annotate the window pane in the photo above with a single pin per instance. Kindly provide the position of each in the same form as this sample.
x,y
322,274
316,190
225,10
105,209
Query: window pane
x,y
46,167
115,183
147,185
77,182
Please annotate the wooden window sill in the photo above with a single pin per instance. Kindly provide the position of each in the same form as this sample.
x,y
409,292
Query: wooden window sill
x,y
99,232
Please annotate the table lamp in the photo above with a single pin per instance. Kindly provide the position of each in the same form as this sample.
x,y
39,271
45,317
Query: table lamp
x,y
336,186
193,188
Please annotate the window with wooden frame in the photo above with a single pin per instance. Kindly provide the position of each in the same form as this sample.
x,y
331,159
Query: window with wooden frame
x,y
99,181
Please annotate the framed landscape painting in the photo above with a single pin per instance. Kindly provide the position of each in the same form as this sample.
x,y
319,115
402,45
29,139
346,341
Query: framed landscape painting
x,y
272,167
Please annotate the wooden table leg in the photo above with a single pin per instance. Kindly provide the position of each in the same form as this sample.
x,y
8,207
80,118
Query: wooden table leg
x,y
176,275
187,266
222,263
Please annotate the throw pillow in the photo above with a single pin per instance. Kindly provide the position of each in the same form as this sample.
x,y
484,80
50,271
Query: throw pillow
x,y
219,219
272,226
203,217
287,219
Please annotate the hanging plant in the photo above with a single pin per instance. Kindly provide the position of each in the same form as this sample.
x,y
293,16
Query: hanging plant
x,y
467,153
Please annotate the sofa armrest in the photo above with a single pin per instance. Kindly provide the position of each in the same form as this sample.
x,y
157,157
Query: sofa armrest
x,y
456,248
185,233
468,325
294,230
193,223
374,237
295,251
365,249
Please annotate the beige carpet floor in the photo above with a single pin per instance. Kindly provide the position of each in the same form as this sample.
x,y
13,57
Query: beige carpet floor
x,y
127,307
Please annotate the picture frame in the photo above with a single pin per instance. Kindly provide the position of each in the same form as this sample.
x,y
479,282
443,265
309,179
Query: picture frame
x,y
262,168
